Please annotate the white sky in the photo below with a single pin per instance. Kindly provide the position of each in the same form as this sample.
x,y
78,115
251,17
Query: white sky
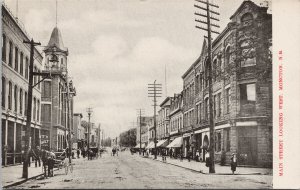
x,y
117,47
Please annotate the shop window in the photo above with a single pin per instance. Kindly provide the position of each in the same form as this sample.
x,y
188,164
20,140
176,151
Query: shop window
x,y
227,139
3,48
218,142
3,92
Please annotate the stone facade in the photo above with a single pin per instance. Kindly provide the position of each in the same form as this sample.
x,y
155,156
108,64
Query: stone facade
x,y
242,91
15,75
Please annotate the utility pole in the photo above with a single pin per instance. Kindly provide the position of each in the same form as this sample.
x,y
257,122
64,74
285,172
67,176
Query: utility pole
x,y
140,118
209,31
89,111
154,91
29,108
99,133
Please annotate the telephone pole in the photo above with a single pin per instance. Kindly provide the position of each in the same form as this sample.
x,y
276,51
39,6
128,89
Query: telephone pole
x,y
89,111
209,30
140,118
154,91
29,108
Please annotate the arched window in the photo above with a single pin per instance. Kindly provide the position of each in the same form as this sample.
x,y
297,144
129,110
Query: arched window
x,y
3,47
227,56
10,54
3,92
247,19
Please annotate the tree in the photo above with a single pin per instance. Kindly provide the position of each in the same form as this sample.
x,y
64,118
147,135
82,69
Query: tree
x,y
128,138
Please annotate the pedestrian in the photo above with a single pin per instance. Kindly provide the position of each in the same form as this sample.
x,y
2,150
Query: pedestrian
x,y
38,156
233,163
197,155
189,155
78,153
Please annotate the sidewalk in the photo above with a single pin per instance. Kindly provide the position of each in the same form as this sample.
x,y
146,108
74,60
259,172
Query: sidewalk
x,y
13,174
220,170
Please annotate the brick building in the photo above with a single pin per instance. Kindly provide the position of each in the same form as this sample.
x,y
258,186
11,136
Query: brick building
x,y
56,116
242,90
15,75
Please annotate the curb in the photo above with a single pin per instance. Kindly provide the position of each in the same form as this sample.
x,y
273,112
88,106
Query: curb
x,y
23,181
206,173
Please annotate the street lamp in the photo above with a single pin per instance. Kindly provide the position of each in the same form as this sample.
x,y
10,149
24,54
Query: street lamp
x,y
89,111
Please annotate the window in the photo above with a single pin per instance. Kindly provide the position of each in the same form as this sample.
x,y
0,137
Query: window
x,y
16,98
26,101
206,108
3,48
34,76
247,19
200,110
9,95
3,94
46,113
38,111
215,106
34,108
215,69
16,59
21,101
10,54
219,104
46,91
26,68
201,81
227,94
39,78
21,63
247,93
206,74
227,139
227,56
218,142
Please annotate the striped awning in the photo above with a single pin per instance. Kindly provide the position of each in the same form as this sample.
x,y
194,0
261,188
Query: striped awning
x,y
162,143
175,143
150,145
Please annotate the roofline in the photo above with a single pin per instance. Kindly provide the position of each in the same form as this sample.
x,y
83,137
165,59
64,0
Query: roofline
x,y
10,14
191,67
165,100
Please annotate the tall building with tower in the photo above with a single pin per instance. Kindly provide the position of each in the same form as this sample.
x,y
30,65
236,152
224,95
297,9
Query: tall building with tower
x,y
56,115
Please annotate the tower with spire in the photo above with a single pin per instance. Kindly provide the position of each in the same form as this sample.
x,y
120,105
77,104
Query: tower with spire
x,y
54,97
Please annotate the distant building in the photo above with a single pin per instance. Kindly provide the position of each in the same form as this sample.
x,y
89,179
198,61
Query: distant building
x,y
78,131
142,129
15,75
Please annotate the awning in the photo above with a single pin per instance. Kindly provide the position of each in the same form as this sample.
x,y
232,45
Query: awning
x,y
142,145
150,145
176,143
162,143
